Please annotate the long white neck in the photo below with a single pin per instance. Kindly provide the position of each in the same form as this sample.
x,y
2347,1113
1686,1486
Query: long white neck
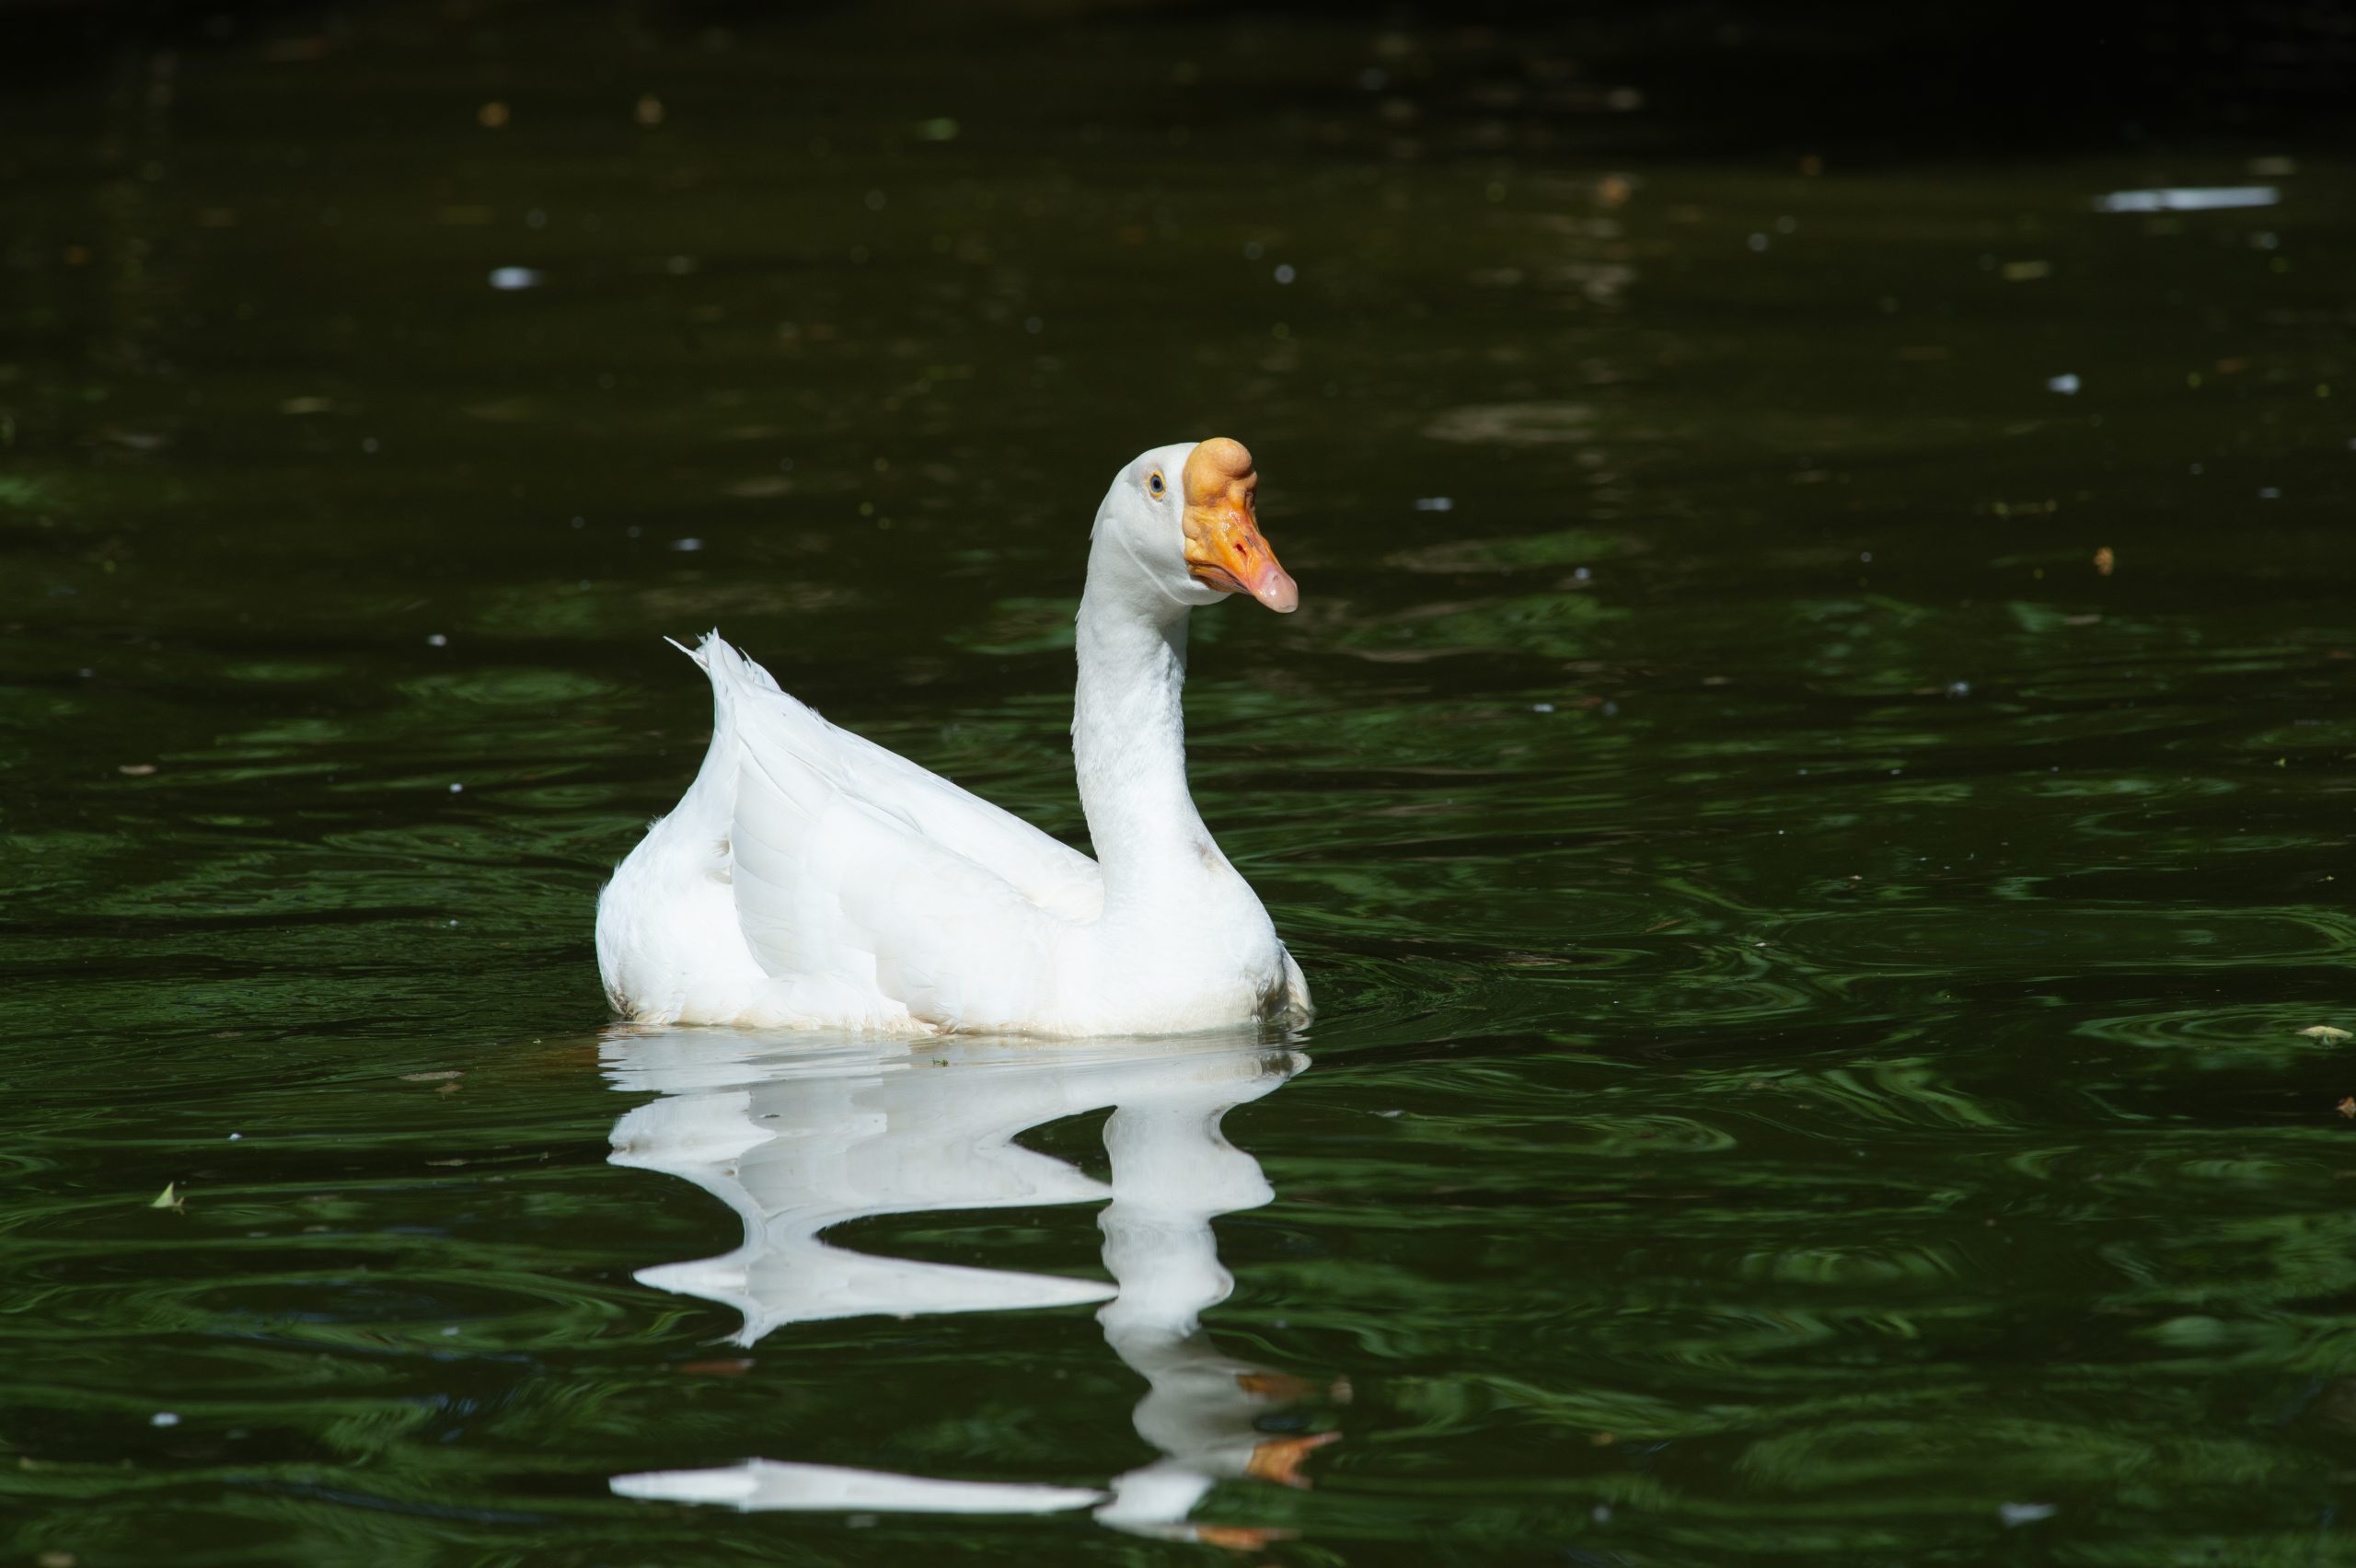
x,y
1128,737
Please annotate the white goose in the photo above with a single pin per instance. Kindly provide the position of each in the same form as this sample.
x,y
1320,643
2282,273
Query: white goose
x,y
812,879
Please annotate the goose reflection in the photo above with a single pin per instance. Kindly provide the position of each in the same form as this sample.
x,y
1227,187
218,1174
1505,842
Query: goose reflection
x,y
799,1136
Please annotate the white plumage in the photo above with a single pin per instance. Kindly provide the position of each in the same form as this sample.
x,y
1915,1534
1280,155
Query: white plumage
x,y
810,878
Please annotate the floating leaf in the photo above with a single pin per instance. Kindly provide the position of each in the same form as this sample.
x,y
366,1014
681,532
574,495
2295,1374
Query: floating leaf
x,y
2326,1033
169,1198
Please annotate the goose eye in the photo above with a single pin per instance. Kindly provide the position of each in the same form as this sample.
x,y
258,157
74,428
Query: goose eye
x,y
1155,484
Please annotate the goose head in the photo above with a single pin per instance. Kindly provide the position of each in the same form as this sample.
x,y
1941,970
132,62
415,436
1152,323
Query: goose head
x,y
1185,516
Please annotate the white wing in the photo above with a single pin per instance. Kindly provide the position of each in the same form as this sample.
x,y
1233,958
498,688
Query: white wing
x,y
851,866
1046,870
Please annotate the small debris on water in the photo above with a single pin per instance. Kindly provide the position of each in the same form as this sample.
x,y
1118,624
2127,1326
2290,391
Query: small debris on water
x,y
2018,1513
1434,503
136,770
456,790
2105,560
2065,385
1541,707
2347,1106
507,280
2329,1034
437,641
434,1076
164,1418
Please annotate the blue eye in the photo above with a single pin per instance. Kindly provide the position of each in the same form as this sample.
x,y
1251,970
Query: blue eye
x,y
1154,484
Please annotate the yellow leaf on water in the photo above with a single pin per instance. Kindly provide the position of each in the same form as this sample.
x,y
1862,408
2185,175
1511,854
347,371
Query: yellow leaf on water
x,y
169,1198
2326,1033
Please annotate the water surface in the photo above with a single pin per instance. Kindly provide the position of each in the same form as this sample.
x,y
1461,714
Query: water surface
x,y
1810,782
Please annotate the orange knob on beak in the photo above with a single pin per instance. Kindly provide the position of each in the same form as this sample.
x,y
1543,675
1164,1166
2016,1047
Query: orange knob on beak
x,y
1225,549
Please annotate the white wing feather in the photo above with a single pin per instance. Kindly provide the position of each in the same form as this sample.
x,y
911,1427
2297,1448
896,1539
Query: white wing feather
x,y
857,873
1047,871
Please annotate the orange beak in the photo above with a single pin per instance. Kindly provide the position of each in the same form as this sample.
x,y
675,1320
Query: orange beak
x,y
1225,549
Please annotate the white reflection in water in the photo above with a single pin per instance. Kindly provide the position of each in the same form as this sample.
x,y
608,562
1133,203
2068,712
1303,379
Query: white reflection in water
x,y
2187,199
798,1137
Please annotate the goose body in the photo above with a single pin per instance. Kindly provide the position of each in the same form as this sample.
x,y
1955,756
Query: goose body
x,y
810,878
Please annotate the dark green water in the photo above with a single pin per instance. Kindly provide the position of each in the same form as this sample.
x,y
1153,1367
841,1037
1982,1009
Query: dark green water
x,y
1812,967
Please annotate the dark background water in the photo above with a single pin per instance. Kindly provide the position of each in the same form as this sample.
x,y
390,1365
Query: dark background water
x,y
1811,780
